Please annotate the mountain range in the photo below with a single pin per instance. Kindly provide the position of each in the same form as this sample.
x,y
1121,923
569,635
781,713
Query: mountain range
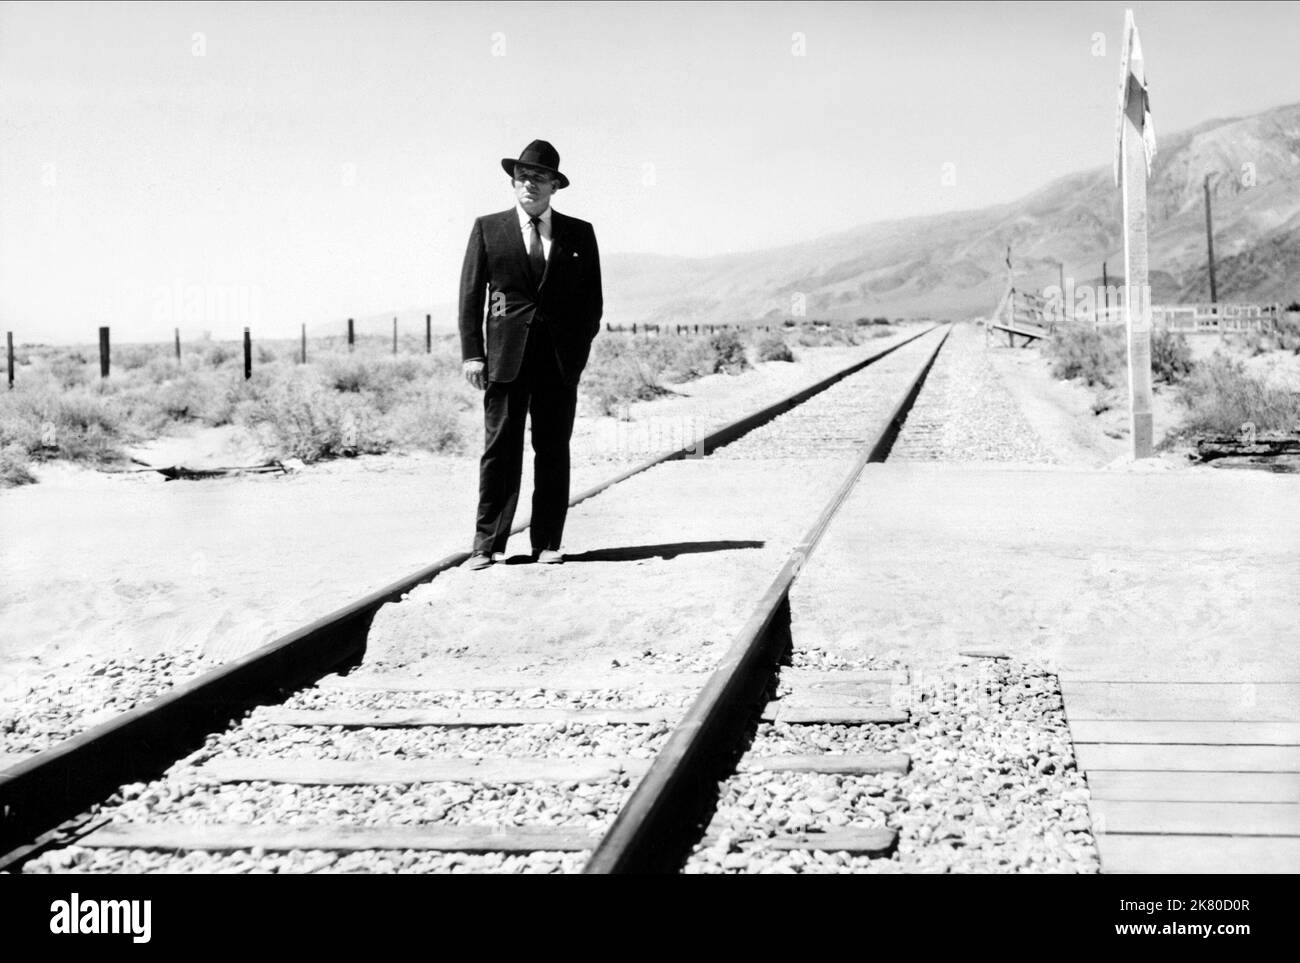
x,y
953,265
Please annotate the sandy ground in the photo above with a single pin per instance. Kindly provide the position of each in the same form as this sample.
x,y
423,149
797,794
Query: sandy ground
x,y
1161,575
93,565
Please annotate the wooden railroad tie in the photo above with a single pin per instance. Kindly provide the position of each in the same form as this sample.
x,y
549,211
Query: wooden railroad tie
x,y
371,772
227,837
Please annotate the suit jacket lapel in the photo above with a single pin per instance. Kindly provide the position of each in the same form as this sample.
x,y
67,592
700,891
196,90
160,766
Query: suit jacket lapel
x,y
515,241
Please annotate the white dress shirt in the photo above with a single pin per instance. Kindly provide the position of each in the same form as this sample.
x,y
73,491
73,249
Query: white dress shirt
x,y
544,227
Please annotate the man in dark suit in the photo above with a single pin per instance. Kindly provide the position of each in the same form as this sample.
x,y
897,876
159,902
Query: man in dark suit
x,y
537,272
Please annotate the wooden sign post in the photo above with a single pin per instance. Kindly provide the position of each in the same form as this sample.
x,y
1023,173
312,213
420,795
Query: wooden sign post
x,y
1136,150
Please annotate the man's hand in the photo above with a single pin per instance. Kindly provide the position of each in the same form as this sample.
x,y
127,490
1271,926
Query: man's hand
x,y
474,374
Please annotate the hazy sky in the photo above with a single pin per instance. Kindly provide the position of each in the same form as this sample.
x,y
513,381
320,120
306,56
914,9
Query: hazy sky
x,y
306,162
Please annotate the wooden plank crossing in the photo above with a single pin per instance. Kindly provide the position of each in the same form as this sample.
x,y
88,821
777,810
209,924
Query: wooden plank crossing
x,y
236,837
1186,701
1188,758
1197,818
1241,787
1175,732
1190,776
368,772
1197,854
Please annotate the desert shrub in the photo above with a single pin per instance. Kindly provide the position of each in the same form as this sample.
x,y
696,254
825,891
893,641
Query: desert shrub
x,y
822,334
1096,356
1171,356
728,352
348,373
218,354
71,370
161,368
298,416
671,360
45,421
623,370
88,410
1288,333
130,357
15,467
1221,396
774,348
431,419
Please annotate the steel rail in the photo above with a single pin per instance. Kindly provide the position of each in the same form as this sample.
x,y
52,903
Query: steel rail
x,y
664,816
39,794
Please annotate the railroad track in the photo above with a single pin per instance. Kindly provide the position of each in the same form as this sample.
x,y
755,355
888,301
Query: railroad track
x,y
412,772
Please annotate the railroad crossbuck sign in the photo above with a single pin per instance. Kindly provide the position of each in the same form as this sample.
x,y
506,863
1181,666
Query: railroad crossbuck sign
x,y
1135,152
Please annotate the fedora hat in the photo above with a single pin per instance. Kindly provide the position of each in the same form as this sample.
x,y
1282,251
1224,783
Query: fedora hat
x,y
538,154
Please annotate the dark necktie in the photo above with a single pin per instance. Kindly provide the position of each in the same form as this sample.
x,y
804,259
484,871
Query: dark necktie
x,y
535,255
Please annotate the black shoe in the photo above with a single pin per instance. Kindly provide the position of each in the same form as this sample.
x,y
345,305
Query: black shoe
x,y
479,560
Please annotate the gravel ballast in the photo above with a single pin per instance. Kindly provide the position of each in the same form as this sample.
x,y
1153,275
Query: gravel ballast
x,y
993,787
965,413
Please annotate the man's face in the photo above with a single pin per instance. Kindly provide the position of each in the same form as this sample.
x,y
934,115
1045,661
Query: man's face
x,y
533,188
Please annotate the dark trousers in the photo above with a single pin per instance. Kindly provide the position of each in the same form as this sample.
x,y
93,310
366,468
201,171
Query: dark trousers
x,y
538,391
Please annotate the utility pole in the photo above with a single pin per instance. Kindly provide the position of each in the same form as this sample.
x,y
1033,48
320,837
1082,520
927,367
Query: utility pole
x,y
1209,241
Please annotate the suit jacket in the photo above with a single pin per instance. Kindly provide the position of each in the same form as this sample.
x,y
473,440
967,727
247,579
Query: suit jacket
x,y
497,275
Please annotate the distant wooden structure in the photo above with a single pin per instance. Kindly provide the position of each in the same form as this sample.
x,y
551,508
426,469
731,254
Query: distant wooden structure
x,y
1020,313
1199,318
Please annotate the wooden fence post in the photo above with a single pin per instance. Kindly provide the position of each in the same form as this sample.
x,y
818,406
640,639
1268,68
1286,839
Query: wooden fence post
x,y
248,355
178,345
9,337
103,352
304,344
394,335
351,335
428,334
